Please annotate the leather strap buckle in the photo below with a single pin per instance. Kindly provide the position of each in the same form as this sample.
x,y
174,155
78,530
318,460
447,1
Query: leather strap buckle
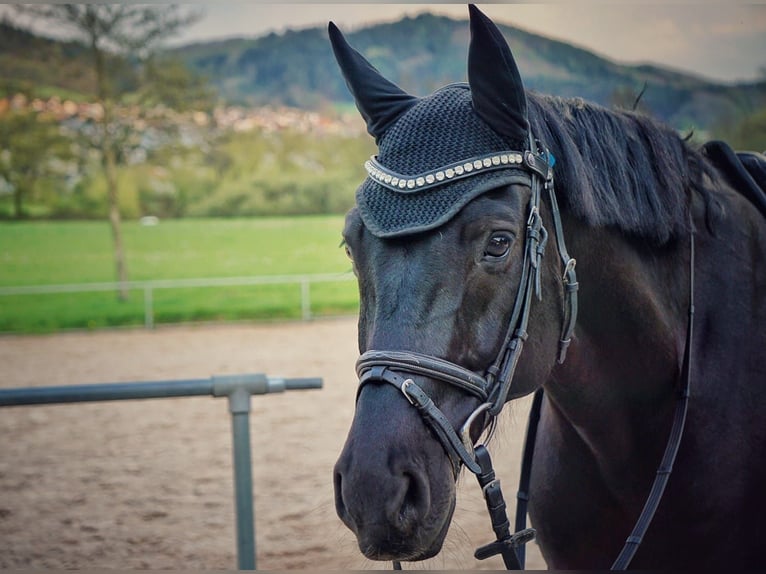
x,y
403,388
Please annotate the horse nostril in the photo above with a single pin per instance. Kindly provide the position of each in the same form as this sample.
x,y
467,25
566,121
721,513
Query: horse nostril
x,y
412,504
409,509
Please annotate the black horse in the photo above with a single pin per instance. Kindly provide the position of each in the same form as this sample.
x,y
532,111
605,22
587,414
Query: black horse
x,y
462,258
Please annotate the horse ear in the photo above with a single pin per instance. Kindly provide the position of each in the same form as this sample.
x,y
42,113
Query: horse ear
x,y
496,87
379,101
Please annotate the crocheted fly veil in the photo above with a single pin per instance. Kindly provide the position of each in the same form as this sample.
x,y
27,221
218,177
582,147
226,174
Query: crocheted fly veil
x,y
437,153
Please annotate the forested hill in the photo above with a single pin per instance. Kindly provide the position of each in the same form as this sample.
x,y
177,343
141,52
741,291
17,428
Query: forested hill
x,y
296,68
428,51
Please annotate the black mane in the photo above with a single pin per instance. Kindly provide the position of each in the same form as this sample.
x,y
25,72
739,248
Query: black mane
x,y
618,168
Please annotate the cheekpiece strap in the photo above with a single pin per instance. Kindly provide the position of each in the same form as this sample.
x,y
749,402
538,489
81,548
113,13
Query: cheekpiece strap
x,y
403,183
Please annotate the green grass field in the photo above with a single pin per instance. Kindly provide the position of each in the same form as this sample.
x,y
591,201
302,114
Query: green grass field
x,y
50,253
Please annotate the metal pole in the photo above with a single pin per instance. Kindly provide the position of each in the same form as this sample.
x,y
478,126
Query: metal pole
x,y
218,386
239,407
105,392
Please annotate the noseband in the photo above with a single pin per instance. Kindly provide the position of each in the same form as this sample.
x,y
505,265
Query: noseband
x,y
493,387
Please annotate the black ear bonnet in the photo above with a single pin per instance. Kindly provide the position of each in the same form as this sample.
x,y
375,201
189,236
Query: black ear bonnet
x,y
437,153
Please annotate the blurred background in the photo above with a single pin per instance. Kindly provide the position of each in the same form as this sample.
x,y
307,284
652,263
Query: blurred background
x,y
151,143
190,164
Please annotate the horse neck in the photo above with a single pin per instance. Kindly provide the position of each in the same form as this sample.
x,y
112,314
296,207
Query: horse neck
x,y
614,394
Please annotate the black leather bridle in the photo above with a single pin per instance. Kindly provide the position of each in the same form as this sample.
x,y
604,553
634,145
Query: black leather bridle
x,y
493,387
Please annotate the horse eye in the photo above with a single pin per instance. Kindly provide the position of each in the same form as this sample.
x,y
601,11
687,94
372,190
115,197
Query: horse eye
x,y
498,246
348,252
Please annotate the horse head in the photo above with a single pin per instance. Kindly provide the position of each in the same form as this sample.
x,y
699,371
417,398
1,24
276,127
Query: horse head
x,y
446,241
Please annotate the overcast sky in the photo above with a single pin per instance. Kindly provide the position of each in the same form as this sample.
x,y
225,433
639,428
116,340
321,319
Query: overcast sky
x,y
724,40
719,39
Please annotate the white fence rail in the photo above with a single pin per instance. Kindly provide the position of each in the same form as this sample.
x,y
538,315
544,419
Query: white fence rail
x,y
148,287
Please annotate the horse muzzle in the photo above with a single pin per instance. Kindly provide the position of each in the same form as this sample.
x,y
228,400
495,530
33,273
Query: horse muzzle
x,y
394,488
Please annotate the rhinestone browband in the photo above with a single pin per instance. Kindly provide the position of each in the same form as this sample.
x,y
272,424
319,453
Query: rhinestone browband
x,y
411,183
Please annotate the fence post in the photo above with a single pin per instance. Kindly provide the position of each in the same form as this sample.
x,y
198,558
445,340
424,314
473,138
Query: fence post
x,y
239,407
148,307
305,299
238,389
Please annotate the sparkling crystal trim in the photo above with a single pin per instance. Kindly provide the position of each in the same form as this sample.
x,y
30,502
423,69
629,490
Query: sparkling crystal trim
x,y
412,183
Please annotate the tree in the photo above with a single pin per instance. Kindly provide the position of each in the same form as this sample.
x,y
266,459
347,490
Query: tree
x,y
115,34
31,144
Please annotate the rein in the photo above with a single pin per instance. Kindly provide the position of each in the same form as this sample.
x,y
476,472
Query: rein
x,y
676,433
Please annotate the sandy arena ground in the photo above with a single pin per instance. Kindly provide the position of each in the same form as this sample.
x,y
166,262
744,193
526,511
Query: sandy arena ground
x,y
148,484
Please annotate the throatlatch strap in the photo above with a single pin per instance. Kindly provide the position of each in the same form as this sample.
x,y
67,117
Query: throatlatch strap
x,y
569,278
